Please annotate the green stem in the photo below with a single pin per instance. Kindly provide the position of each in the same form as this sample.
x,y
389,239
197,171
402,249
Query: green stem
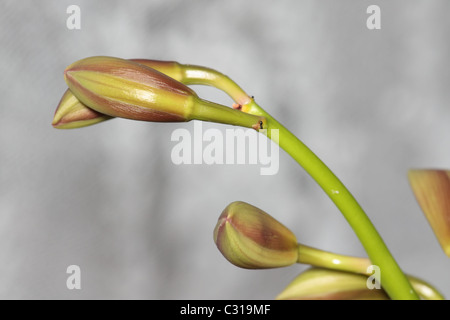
x,y
394,280
325,259
192,75
209,111
330,260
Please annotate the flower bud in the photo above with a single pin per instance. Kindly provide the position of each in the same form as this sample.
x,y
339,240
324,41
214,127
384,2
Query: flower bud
x,y
326,284
127,89
71,113
252,239
186,74
121,88
432,191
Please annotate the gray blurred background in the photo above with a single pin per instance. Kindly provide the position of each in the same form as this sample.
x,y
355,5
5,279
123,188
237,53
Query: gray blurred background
x,y
370,103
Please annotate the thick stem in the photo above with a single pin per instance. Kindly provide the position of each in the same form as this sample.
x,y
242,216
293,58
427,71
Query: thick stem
x,y
395,282
209,111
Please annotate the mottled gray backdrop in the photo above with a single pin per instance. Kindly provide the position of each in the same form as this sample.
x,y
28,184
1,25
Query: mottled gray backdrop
x,y
371,104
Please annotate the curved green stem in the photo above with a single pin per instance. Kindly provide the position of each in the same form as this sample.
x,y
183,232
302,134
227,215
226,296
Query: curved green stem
x,y
394,280
192,75
204,110
325,259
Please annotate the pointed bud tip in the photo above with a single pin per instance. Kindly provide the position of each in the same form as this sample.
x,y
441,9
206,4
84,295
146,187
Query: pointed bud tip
x,y
67,71
71,114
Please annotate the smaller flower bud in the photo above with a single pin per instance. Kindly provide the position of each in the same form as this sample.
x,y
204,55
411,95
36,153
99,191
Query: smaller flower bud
x,y
432,191
326,284
71,113
252,239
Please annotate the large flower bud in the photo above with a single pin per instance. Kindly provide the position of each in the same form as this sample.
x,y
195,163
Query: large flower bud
x,y
71,113
250,238
127,89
